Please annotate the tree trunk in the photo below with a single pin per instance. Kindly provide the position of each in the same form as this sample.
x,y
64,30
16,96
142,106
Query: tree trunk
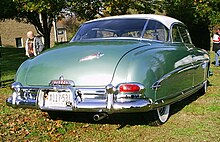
x,y
47,24
46,40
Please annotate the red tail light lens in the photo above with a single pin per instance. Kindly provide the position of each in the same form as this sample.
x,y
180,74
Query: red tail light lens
x,y
129,88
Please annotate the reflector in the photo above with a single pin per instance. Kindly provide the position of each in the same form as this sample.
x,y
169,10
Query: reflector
x,y
129,88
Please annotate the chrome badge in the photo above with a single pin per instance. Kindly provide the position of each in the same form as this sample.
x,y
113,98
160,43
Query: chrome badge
x,y
91,57
62,81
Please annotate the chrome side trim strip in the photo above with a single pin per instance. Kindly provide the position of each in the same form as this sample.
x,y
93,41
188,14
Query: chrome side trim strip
x,y
186,93
156,85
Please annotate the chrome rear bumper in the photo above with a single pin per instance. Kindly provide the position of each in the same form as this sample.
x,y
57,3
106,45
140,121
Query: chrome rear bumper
x,y
101,100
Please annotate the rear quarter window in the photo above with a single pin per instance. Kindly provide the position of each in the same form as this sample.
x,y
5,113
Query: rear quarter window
x,y
180,34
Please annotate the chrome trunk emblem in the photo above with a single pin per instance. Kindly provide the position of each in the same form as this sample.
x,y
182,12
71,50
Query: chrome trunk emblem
x,y
62,81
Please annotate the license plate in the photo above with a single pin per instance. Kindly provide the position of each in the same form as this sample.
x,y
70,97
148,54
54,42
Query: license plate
x,y
58,99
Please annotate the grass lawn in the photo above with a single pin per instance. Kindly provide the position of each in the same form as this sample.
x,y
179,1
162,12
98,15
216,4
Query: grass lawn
x,y
195,119
10,60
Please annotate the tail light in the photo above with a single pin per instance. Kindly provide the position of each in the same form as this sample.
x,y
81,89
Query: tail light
x,y
129,88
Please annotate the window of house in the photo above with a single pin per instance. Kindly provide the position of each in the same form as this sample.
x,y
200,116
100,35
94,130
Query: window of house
x,y
19,42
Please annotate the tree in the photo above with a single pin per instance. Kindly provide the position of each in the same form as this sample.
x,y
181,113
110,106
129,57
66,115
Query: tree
x,y
91,9
208,11
40,13
86,9
71,24
147,6
116,7
198,24
7,9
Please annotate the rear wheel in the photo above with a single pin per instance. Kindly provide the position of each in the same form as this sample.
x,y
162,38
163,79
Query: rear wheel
x,y
203,90
162,115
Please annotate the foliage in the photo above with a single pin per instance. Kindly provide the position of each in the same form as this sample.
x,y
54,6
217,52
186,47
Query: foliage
x,y
71,24
86,9
198,24
7,9
180,9
147,6
96,8
121,7
208,11
116,7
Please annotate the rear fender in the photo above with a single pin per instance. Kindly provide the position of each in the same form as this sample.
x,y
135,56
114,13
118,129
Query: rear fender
x,y
145,66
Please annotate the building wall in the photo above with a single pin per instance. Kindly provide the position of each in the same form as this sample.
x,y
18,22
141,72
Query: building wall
x,y
62,35
10,30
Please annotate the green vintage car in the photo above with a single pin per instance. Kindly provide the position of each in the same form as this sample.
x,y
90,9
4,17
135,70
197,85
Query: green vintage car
x,y
129,63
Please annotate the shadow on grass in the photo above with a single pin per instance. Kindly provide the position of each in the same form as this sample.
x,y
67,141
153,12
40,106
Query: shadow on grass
x,y
123,119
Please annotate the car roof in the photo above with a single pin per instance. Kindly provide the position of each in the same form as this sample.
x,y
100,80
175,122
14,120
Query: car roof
x,y
167,21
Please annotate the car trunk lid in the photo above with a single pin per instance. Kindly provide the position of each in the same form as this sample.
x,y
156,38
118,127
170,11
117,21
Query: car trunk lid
x,y
85,63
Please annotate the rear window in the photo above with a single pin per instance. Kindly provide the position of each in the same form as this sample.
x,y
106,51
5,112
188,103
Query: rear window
x,y
111,28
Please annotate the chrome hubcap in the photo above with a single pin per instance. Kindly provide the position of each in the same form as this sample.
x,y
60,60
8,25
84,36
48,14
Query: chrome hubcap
x,y
163,113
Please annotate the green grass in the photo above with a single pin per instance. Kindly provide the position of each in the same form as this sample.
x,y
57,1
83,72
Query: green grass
x,y
195,119
10,61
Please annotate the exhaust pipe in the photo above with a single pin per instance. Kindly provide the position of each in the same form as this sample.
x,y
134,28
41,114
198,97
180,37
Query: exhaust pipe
x,y
99,116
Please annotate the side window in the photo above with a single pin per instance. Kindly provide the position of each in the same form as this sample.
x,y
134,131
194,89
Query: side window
x,y
176,37
180,34
156,31
184,34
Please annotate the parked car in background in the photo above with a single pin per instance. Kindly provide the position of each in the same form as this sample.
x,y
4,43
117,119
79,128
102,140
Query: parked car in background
x,y
120,64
